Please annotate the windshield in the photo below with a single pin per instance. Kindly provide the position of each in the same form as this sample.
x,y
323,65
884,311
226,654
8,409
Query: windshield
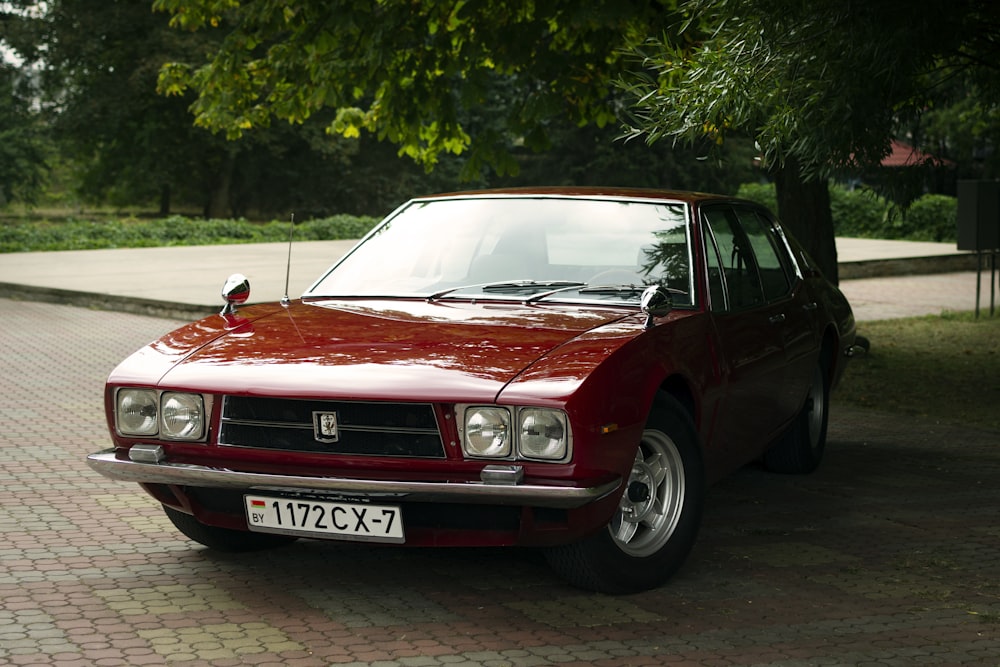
x,y
531,248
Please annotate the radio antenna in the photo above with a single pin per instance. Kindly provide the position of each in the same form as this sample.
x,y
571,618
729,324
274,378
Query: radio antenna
x,y
288,266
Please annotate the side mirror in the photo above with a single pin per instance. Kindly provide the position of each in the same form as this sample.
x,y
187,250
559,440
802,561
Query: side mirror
x,y
235,292
655,302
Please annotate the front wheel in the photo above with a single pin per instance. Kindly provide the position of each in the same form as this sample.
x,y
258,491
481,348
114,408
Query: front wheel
x,y
223,539
657,521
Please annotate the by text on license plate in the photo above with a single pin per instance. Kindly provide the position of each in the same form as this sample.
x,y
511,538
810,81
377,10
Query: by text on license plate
x,y
317,518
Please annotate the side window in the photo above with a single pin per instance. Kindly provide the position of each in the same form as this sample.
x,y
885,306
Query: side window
x,y
773,274
738,265
718,300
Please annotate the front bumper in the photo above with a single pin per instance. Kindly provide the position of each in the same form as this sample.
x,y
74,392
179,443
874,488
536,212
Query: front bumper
x,y
496,493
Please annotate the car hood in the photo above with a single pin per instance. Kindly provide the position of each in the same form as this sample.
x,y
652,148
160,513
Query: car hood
x,y
376,350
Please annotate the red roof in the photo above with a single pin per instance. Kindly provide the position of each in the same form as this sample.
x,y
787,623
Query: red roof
x,y
904,155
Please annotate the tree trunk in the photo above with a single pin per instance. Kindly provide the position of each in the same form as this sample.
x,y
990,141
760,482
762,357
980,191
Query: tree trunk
x,y
218,203
164,200
804,209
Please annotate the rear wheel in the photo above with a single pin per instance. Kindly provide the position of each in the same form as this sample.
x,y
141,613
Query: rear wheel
x,y
800,449
223,539
657,521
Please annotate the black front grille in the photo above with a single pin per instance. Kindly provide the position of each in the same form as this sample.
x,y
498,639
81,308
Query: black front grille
x,y
370,429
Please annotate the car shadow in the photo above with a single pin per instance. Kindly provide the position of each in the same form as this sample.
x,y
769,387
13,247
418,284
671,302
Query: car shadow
x,y
893,498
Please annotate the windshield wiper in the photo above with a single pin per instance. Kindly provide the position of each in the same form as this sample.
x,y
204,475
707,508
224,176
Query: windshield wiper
x,y
532,285
514,287
614,289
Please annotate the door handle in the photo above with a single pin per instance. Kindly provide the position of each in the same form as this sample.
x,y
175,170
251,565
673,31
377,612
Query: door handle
x,y
776,319
810,306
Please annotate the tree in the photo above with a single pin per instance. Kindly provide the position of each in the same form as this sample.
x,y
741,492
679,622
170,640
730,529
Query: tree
x,y
99,61
23,145
472,87
965,131
590,155
412,72
819,86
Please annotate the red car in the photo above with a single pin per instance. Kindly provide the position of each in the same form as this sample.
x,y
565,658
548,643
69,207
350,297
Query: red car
x,y
562,368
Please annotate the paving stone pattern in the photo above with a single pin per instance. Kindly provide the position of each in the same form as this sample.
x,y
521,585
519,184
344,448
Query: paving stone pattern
x,y
889,555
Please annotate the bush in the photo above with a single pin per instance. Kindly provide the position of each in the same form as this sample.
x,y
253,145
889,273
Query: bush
x,y
762,193
863,213
932,218
336,227
860,213
171,231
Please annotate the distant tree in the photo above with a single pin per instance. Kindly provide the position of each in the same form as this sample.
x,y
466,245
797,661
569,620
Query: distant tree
x,y
590,155
99,63
24,146
819,86
964,129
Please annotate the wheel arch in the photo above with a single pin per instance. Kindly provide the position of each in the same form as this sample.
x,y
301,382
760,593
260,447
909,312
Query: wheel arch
x,y
616,560
679,388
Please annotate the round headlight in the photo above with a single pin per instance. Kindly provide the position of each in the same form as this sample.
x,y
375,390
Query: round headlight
x,y
182,416
487,432
135,411
543,434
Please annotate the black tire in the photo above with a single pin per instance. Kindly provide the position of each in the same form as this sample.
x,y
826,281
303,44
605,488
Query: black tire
x,y
800,449
224,539
658,517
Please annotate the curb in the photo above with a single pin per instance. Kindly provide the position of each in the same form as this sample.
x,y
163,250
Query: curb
x,y
907,266
110,302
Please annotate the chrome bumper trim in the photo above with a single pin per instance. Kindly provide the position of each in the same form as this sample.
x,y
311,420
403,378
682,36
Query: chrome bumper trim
x,y
562,497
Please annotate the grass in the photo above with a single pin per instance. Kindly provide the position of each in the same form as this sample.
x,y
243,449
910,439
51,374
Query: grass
x,y
89,234
946,367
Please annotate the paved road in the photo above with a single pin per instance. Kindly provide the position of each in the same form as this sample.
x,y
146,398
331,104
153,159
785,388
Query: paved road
x,y
889,555
917,295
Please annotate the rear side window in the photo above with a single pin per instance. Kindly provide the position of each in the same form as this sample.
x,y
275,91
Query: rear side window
x,y
734,283
773,269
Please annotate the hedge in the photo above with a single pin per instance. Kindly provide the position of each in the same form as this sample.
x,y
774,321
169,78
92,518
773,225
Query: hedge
x,y
175,230
862,213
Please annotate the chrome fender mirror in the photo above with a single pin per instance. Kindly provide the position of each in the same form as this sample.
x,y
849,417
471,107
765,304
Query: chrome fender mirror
x,y
235,292
655,302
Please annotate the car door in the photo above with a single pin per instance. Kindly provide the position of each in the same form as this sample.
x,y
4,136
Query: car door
x,y
749,329
793,311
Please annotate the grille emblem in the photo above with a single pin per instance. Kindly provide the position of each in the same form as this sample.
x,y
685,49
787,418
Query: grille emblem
x,y
325,428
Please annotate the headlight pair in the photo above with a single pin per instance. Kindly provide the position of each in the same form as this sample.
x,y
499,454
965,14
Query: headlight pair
x,y
170,415
494,432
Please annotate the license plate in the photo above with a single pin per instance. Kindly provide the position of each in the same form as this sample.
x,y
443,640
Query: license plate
x,y
315,518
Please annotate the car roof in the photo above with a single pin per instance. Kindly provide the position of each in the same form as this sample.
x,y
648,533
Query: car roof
x,y
584,192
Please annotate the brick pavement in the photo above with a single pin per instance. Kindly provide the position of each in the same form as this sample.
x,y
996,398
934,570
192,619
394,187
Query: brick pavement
x,y
888,555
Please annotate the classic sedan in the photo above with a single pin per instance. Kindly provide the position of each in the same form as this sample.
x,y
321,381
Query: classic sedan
x,y
566,369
